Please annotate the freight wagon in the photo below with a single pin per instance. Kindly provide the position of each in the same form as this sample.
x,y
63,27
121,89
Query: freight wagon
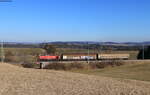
x,y
113,56
79,56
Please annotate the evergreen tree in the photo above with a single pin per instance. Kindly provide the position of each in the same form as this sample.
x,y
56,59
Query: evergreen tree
x,y
146,53
50,49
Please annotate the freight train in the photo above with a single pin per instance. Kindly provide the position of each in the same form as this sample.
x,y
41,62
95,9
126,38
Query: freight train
x,y
83,57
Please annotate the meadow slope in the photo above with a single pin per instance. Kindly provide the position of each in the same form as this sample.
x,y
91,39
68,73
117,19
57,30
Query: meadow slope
x,y
15,80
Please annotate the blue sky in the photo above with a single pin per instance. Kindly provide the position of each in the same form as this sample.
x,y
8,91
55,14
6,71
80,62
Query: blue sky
x,y
75,20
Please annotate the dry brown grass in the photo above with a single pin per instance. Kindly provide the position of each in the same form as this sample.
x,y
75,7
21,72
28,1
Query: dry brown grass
x,y
15,80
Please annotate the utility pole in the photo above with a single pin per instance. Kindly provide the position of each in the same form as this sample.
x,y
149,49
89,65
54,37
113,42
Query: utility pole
x,y
88,52
2,52
101,45
143,52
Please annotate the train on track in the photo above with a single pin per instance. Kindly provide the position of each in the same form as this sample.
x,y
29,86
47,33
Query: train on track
x,y
83,57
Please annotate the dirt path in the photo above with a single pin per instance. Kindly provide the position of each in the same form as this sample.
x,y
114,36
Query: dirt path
x,y
20,81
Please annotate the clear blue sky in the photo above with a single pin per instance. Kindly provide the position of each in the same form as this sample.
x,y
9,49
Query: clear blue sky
x,y
75,20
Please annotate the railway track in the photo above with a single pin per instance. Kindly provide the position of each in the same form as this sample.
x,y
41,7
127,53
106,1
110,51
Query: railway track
x,y
95,61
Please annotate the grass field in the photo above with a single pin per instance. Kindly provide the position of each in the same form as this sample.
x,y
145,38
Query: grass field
x,y
16,80
26,51
20,55
128,71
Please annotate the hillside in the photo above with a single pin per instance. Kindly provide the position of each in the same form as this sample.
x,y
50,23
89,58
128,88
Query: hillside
x,y
139,71
16,80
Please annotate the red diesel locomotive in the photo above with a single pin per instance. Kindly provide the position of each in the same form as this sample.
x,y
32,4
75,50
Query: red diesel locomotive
x,y
48,58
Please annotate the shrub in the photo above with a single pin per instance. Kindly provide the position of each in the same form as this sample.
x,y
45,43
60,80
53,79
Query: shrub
x,y
30,65
50,49
9,56
95,65
78,66
65,66
56,66
103,64
92,65
118,63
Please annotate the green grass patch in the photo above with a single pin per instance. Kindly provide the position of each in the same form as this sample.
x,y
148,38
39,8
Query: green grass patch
x,y
128,71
